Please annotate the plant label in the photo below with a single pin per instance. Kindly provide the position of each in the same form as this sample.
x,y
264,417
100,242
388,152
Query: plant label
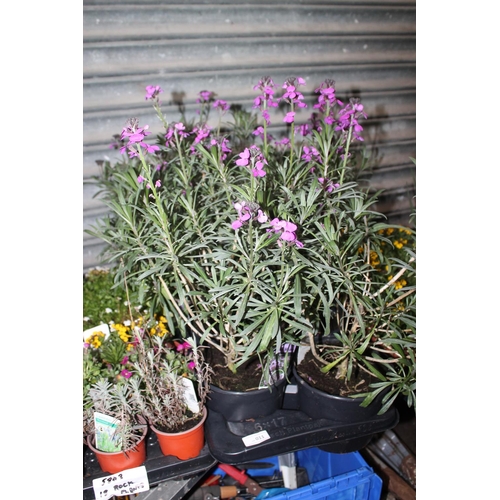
x,y
127,482
105,433
104,328
302,352
190,395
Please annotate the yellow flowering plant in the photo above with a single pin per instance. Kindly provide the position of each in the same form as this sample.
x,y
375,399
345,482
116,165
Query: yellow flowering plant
x,y
401,240
110,345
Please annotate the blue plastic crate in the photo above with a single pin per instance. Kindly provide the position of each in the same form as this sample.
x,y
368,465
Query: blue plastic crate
x,y
332,476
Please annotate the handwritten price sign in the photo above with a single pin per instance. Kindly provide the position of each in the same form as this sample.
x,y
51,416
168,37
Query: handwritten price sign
x,y
122,483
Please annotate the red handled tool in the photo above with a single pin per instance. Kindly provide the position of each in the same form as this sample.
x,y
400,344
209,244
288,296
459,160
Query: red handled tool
x,y
253,487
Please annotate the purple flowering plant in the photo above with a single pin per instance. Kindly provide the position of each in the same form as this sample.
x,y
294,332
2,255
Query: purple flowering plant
x,y
248,241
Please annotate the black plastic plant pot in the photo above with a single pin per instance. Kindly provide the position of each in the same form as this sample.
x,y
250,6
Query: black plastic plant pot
x,y
290,429
318,404
238,406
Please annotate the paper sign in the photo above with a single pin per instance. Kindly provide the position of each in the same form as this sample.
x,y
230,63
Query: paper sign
x,y
258,437
126,482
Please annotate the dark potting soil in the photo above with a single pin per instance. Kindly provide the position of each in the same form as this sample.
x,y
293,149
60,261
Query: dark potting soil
x,y
246,378
310,370
189,424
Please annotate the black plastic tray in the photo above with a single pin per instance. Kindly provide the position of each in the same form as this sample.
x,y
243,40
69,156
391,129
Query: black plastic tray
x,y
160,468
290,430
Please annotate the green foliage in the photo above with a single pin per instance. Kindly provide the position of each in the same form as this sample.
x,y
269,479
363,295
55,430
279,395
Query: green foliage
x,y
103,300
253,287
113,399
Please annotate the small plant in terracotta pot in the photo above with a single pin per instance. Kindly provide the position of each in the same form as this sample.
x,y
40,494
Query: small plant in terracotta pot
x,y
115,432
169,389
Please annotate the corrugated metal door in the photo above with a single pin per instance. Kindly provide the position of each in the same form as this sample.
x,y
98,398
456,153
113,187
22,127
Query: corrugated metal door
x,y
367,47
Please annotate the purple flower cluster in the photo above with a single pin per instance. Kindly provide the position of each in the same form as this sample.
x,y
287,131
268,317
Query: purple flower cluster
x,y
254,158
223,145
221,105
286,230
327,100
247,211
136,135
178,128
328,185
201,132
205,96
185,348
293,96
266,99
152,91
349,116
311,154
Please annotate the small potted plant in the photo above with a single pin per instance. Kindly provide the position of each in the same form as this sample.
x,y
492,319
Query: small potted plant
x,y
112,428
115,432
169,389
252,244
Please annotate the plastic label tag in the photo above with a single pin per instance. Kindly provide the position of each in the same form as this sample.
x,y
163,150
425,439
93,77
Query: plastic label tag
x,y
253,439
126,482
104,328
190,395
302,352
105,429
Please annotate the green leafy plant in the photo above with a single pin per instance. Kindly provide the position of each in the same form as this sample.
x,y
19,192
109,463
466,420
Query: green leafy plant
x,y
113,400
248,242
103,301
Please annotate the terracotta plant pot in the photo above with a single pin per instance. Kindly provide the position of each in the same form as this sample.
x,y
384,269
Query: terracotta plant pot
x,y
121,460
183,445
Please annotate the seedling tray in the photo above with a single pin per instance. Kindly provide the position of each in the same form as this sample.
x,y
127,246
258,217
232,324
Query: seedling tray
x,y
159,468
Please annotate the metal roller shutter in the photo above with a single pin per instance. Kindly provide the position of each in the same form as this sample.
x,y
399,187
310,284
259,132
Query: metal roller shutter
x,y
367,47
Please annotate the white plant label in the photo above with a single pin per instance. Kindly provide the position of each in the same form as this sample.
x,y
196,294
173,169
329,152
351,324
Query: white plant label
x,y
127,482
104,328
302,352
105,433
258,437
190,395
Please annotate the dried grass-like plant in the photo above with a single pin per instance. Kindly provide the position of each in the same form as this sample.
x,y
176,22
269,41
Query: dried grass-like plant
x,y
159,391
